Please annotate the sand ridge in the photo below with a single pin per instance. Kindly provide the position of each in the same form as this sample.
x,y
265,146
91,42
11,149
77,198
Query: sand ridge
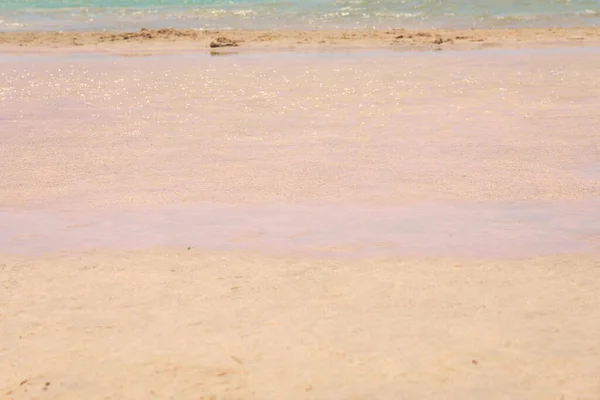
x,y
398,39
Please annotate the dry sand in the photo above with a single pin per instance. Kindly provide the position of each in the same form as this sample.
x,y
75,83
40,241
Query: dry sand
x,y
191,325
395,39
84,135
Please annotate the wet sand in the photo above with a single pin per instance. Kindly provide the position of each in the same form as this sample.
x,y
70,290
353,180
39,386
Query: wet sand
x,y
314,229
300,226
169,40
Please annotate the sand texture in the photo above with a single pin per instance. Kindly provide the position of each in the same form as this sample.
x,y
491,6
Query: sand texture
x,y
395,39
300,226
190,325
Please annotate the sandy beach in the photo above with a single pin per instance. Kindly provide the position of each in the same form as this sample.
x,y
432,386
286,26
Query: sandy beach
x,y
218,40
300,224
187,324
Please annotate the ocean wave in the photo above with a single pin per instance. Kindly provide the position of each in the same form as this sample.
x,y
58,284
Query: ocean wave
x,y
11,25
397,15
516,17
591,12
245,13
296,14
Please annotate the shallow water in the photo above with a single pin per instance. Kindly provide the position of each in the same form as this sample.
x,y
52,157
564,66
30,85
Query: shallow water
x,y
591,171
314,14
501,230
485,154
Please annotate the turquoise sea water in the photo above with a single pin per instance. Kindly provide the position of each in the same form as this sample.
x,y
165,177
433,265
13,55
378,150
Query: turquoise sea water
x,y
18,15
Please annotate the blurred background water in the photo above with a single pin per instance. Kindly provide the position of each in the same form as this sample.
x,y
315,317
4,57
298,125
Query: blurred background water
x,y
31,15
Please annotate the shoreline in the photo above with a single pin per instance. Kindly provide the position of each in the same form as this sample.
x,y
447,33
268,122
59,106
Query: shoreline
x,y
175,40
